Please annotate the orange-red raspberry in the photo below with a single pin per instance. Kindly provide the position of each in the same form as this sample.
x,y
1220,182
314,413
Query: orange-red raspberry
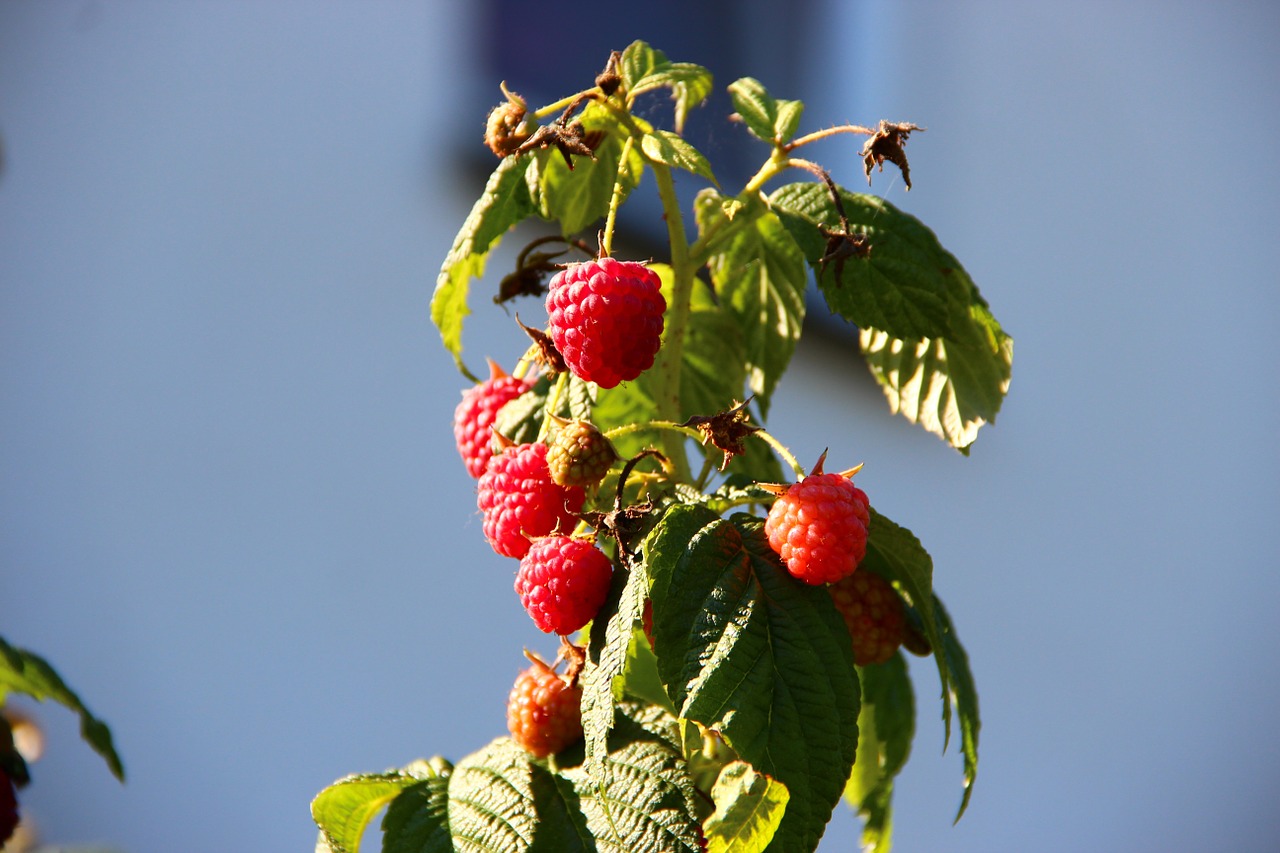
x,y
605,318
474,416
544,711
819,528
874,613
562,582
520,502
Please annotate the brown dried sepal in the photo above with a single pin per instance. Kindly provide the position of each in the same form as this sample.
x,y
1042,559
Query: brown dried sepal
x,y
626,524
727,430
505,130
887,143
568,137
548,356
609,79
841,246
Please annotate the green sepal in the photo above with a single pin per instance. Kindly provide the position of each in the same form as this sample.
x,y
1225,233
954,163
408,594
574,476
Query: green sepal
x,y
504,203
25,672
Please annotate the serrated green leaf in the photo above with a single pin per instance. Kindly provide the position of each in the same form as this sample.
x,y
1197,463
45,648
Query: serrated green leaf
x,y
749,807
580,196
901,286
886,728
755,106
344,809
759,273
663,146
766,117
26,672
611,633
491,799
930,339
644,69
894,553
964,695
641,800
950,387
504,203
765,660
417,820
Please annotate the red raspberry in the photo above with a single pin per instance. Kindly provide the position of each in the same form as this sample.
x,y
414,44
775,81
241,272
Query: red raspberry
x,y
520,502
473,418
819,527
874,613
562,582
579,454
8,808
544,711
605,318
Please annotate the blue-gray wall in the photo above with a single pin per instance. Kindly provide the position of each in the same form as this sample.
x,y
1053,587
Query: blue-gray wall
x,y
230,511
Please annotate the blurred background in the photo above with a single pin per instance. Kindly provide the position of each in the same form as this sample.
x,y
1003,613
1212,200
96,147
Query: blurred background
x,y
232,516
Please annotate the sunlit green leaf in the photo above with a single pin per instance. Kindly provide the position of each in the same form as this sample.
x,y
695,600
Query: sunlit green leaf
x,y
746,649
645,69
759,274
886,728
665,147
749,807
965,696
504,203
26,672
766,117
343,810
580,196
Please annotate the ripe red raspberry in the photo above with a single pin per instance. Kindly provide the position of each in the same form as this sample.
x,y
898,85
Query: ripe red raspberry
x,y
562,582
605,318
8,808
473,418
544,711
819,527
579,455
520,501
874,613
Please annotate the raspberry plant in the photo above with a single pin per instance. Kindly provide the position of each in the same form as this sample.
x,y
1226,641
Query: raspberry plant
x,y
722,707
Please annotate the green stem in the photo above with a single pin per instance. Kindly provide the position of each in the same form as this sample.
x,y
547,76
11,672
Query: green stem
x,y
706,244
655,426
782,451
615,201
671,356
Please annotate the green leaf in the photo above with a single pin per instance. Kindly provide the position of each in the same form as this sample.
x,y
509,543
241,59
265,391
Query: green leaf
x,y
578,197
663,146
766,117
491,799
644,69
886,728
344,809
27,673
950,387
894,553
611,634
746,649
642,798
965,696
749,807
504,203
902,286
930,339
417,820
759,274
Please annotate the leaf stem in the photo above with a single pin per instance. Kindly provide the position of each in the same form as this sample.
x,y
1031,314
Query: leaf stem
x,y
823,134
